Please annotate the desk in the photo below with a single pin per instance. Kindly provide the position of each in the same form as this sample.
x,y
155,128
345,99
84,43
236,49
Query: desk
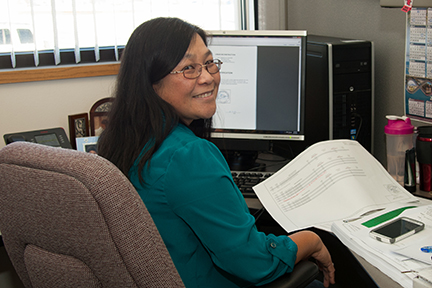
x,y
363,269
349,271
381,279
423,194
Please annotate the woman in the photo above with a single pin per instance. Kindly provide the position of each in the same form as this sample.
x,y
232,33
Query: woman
x,y
166,91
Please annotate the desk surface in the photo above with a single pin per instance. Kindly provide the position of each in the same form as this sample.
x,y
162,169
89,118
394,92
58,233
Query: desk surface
x,y
423,194
380,278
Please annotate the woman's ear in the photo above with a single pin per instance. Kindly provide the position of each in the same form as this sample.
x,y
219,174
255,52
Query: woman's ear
x,y
157,86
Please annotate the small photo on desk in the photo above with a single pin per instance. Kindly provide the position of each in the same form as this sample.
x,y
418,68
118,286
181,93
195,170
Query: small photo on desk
x,y
87,144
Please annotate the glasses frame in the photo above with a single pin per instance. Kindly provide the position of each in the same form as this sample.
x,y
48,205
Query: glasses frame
x,y
217,62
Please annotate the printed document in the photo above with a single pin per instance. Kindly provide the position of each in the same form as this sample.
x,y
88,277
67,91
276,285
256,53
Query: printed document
x,y
338,186
330,181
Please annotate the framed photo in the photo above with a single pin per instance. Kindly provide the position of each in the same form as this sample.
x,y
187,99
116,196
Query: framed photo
x,y
99,116
87,144
78,127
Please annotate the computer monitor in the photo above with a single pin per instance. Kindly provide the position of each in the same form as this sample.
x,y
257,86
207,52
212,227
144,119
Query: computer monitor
x,y
262,91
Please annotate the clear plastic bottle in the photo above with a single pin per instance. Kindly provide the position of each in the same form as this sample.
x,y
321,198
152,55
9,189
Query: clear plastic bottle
x,y
399,138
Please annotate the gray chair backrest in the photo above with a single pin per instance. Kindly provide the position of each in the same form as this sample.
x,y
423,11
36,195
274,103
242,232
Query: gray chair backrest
x,y
72,219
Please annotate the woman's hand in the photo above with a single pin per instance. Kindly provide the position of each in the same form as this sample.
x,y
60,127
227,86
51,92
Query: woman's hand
x,y
325,264
310,245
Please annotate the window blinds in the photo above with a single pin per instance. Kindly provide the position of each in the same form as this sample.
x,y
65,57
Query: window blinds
x,y
54,32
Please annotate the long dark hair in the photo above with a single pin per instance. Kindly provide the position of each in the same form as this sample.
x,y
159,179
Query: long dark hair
x,y
138,116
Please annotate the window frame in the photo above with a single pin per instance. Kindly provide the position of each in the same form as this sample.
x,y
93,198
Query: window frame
x,y
56,73
28,73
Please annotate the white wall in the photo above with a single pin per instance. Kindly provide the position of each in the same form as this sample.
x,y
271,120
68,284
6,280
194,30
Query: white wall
x,y
367,20
47,104
352,19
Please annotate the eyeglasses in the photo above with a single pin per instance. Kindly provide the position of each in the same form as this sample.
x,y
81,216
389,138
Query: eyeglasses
x,y
193,71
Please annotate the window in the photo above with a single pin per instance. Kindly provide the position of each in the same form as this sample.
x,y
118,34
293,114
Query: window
x,y
5,37
25,36
57,32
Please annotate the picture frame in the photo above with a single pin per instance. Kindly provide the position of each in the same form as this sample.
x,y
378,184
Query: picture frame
x,y
78,127
87,144
99,116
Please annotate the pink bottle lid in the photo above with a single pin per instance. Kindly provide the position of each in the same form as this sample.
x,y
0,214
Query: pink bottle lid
x,y
398,125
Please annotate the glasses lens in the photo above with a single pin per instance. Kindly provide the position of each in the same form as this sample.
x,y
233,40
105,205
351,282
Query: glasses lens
x,y
214,66
195,70
192,73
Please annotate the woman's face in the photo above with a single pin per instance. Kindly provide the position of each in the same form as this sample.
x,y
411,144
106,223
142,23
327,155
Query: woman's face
x,y
191,98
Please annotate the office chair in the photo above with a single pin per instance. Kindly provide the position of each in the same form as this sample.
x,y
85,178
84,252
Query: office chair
x,y
72,219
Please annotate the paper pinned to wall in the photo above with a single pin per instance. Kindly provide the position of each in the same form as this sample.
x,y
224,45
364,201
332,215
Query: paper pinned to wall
x,y
418,71
407,5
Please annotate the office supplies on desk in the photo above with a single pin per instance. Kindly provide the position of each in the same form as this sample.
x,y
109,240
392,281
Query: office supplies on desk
x,y
385,217
339,179
363,215
402,260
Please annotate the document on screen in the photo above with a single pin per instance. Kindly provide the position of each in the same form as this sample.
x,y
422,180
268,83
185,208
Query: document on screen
x,y
237,89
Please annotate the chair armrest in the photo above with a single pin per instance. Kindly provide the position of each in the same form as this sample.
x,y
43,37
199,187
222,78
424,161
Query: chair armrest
x,y
303,274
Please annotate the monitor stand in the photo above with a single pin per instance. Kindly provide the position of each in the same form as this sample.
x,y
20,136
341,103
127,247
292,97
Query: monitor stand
x,y
241,154
243,161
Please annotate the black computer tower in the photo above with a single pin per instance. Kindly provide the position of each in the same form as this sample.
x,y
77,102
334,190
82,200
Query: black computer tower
x,y
339,90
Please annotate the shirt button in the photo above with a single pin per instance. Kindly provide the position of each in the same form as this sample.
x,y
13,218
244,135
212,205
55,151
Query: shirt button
x,y
273,245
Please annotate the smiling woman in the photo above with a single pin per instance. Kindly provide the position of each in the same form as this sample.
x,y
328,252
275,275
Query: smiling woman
x,y
193,91
157,135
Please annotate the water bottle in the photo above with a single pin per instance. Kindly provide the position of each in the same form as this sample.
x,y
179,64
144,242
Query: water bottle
x,y
399,139
424,157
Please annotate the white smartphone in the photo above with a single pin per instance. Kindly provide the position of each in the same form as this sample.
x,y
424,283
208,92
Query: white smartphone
x,y
396,230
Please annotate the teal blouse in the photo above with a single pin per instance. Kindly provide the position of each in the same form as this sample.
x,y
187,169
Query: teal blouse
x,y
203,218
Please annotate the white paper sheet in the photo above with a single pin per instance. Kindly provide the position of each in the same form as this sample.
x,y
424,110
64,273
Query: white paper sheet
x,y
420,247
330,181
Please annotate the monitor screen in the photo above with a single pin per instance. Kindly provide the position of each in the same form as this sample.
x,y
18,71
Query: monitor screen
x,y
261,94
47,139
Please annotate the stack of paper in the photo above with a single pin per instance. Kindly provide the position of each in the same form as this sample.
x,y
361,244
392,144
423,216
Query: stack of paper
x,y
426,276
338,180
402,260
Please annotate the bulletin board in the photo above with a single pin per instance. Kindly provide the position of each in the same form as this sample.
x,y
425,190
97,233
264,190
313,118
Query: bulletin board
x,y
418,71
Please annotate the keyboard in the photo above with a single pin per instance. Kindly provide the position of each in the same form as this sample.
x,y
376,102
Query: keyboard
x,y
245,180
